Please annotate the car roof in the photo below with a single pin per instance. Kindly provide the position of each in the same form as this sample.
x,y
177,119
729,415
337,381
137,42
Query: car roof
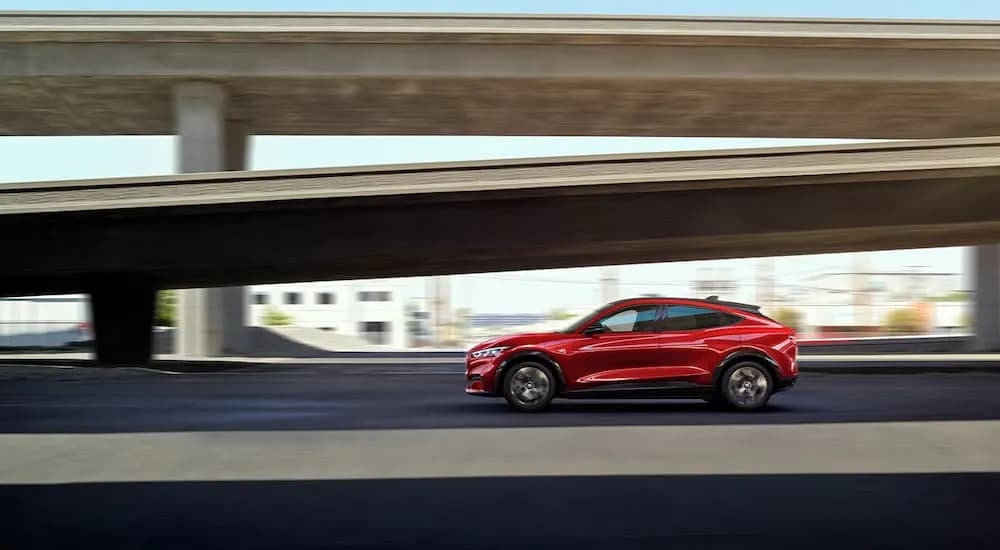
x,y
709,301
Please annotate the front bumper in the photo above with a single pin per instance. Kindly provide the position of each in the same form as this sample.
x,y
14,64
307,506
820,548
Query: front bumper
x,y
479,374
474,385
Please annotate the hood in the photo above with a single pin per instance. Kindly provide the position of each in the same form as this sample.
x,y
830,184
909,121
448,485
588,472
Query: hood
x,y
512,340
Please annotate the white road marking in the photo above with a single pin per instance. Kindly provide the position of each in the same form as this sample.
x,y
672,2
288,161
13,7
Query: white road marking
x,y
157,371
420,372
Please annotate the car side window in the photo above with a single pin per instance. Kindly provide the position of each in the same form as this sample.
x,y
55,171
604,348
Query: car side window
x,y
694,318
632,319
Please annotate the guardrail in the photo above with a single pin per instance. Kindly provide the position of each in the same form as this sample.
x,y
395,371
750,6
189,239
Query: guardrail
x,y
41,334
944,343
30,334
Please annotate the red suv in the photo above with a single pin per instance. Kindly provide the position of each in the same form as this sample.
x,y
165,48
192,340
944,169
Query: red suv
x,y
724,352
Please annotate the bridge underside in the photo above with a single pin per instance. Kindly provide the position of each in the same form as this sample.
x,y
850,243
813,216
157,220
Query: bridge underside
x,y
425,235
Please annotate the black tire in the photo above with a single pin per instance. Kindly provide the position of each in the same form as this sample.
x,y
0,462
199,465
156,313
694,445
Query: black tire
x,y
745,386
529,386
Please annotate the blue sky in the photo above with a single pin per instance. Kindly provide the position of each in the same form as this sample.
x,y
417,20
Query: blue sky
x,y
31,159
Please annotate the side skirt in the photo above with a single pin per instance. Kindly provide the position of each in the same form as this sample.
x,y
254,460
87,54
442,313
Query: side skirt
x,y
642,390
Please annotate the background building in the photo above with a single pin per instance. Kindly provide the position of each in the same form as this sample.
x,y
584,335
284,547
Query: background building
x,y
720,281
403,313
372,311
862,302
609,285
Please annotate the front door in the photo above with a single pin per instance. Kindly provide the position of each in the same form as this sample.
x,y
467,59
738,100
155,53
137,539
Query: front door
x,y
628,347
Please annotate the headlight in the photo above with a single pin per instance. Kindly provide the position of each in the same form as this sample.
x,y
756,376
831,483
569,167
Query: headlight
x,y
488,352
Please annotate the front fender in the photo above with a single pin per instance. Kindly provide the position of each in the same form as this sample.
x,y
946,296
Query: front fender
x,y
529,353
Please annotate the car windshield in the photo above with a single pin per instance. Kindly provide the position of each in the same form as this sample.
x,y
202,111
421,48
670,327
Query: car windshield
x,y
577,323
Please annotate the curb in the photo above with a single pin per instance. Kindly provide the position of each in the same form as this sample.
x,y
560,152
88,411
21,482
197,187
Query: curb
x,y
174,366
165,367
895,367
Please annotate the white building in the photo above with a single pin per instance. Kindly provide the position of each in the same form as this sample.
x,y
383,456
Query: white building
x,y
865,299
372,310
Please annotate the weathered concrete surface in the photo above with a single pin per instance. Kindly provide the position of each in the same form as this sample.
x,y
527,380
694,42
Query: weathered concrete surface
x,y
485,75
905,447
243,228
731,169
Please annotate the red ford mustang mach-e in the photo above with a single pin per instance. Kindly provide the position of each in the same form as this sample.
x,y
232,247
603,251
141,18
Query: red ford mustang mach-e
x,y
724,352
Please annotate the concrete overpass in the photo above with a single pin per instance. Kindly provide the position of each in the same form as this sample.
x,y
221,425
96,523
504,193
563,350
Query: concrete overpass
x,y
214,79
112,73
121,239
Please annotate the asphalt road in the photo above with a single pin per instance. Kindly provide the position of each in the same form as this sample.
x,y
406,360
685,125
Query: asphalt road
x,y
391,457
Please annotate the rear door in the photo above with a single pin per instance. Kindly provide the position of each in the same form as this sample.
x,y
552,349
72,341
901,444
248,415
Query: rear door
x,y
694,340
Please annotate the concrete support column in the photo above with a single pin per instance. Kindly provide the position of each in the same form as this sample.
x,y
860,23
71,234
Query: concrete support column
x,y
122,308
210,321
986,320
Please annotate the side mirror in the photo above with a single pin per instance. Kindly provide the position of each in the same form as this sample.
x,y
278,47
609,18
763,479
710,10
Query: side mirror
x,y
594,330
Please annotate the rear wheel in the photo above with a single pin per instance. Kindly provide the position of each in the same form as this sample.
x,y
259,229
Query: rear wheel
x,y
746,386
529,387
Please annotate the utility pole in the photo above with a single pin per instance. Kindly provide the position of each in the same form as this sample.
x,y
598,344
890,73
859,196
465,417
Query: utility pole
x,y
440,304
609,285
703,283
915,289
859,289
765,282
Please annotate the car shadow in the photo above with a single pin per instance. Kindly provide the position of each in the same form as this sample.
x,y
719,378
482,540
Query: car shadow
x,y
625,413
657,406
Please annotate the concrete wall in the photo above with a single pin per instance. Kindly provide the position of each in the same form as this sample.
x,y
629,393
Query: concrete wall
x,y
297,342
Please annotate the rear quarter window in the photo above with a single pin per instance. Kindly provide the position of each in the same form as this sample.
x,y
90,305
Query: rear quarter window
x,y
729,319
694,318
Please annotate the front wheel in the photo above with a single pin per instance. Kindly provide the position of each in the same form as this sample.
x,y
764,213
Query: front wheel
x,y
746,385
529,387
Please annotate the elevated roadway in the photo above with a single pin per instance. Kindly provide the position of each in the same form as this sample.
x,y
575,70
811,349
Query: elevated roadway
x,y
256,227
111,73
